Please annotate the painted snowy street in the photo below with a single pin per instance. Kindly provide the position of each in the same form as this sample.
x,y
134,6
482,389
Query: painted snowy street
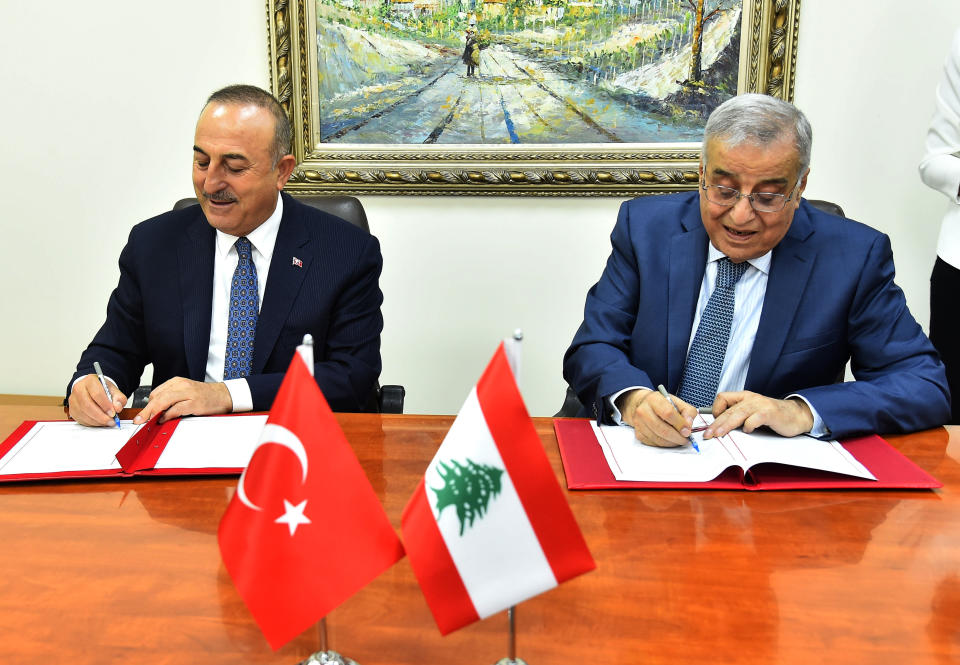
x,y
527,90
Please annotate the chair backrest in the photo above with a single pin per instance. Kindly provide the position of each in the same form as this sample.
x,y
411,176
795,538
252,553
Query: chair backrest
x,y
347,208
827,206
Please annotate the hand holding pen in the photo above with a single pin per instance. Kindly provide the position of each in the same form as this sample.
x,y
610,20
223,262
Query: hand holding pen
x,y
655,420
666,395
93,404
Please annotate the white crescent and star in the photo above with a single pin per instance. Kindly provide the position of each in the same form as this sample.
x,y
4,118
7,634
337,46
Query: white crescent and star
x,y
293,515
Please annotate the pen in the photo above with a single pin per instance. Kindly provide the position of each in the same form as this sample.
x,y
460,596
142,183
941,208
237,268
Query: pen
x,y
663,391
106,389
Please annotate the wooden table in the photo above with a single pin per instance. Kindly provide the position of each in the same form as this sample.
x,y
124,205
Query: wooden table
x,y
129,571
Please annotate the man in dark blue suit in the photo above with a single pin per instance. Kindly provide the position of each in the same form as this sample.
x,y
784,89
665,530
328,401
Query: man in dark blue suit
x,y
810,292
217,296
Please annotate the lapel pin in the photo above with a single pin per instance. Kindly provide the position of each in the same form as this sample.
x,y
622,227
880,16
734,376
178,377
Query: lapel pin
x,y
297,262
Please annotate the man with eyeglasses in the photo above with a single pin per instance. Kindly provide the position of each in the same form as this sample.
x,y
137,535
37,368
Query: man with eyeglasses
x,y
745,300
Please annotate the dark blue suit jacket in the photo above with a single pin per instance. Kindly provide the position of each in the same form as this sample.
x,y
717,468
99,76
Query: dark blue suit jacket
x,y
160,311
830,297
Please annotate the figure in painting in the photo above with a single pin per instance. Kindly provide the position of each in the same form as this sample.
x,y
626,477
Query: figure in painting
x,y
471,52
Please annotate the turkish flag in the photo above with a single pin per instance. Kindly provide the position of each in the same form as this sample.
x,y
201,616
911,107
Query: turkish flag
x,y
304,530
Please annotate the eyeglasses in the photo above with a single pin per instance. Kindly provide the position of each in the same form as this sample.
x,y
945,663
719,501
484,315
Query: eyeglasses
x,y
760,201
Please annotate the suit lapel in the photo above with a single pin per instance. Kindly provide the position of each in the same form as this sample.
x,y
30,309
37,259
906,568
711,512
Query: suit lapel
x,y
688,260
790,269
283,282
195,255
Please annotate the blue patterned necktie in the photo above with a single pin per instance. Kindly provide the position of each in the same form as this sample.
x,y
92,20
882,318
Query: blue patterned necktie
x,y
701,374
242,322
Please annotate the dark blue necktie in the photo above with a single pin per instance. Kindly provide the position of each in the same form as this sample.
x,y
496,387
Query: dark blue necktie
x,y
242,322
701,374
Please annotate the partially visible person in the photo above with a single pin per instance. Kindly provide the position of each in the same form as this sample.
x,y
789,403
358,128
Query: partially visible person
x,y
743,298
217,296
940,170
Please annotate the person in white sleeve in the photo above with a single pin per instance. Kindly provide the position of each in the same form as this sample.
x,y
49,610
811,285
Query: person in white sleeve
x,y
940,170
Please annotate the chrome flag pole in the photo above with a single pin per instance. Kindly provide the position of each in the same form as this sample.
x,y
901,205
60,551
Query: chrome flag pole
x,y
511,658
513,347
324,655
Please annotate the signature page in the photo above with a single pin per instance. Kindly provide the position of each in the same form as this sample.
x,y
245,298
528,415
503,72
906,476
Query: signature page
x,y
631,460
212,443
60,446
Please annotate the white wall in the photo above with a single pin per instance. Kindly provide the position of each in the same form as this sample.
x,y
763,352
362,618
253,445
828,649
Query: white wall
x,y
97,126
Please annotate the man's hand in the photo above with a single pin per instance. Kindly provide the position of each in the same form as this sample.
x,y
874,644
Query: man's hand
x,y
654,420
183,397
786,417
89,405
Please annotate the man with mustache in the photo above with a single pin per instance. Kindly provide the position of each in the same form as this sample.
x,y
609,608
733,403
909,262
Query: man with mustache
x,y
217,296
743,299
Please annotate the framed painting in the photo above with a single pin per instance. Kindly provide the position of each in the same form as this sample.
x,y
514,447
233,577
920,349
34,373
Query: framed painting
x,y
516,97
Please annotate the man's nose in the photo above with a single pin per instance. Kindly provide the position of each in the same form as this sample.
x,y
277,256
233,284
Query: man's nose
x,y
742,211
213,180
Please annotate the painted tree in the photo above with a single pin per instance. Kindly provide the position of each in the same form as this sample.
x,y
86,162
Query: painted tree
x,y
468,487
700,18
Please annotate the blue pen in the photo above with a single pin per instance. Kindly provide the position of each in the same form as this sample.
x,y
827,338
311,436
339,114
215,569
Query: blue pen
x,y
106,389
663,391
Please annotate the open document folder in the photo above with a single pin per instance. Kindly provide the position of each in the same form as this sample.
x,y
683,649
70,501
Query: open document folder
x,y
610,457
631,460
208,445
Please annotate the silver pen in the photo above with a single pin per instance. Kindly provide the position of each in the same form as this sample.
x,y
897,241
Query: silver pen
x,y
106,389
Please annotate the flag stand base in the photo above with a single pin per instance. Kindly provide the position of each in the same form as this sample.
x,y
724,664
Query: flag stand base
x,y
325,657
511,661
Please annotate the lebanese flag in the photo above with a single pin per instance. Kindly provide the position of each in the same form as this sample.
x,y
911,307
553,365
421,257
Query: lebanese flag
x,y
488,525
304,530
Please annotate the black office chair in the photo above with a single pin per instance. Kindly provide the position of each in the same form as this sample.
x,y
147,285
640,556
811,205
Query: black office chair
x,y
387,399
571,403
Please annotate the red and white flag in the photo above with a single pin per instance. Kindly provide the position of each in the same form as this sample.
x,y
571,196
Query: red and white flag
x,y
304,530
488,525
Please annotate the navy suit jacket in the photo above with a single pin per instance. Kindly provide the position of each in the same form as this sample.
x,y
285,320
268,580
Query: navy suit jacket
x,y
160,311
830,297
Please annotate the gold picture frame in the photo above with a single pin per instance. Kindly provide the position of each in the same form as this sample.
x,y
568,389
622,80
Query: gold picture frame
x,y
769,31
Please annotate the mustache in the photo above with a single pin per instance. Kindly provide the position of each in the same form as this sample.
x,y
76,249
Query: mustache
x,y
220,197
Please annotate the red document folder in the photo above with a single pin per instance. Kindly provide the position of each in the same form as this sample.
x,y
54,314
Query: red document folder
x,y
586,468
138,456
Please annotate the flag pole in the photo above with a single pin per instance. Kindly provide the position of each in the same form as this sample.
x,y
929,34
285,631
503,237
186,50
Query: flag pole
x,y
324,655
511,658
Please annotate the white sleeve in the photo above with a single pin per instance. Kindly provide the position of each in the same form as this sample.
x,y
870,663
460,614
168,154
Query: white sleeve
x,y
940,166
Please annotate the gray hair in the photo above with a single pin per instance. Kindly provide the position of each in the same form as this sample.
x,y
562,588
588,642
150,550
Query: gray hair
x,y
759,120
250,94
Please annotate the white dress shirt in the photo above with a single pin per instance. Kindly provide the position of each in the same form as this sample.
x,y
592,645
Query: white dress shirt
x,y
940,167
749,292
263,238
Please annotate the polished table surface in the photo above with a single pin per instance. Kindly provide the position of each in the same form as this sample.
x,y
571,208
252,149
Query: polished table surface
x,y
128,570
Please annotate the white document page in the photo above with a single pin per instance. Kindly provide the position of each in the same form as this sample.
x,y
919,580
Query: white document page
x,y
631,460
67,446
212,442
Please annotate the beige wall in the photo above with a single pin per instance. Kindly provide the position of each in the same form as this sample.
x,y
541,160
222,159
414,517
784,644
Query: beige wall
x,y
97,125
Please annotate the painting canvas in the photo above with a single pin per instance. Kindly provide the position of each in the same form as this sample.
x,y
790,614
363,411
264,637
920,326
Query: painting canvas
x,y
523,71
516,97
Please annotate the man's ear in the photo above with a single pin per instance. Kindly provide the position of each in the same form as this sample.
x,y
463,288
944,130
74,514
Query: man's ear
x,y
803,184
285,169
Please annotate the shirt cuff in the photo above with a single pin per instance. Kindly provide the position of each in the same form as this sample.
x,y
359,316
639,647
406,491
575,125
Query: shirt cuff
x,y
615,414
239,391
819,429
